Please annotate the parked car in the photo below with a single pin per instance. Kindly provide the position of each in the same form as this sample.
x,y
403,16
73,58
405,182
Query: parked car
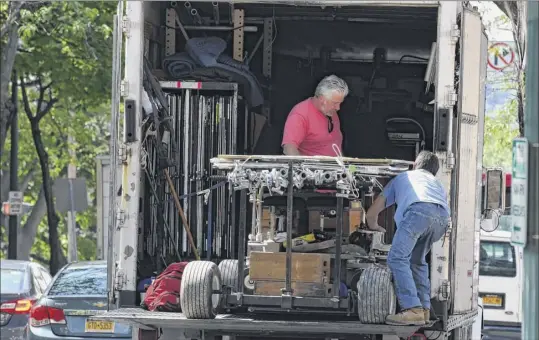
x,y
22,283
78,291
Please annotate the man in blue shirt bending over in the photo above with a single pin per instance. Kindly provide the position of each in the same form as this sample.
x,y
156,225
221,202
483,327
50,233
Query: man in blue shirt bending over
x,y
422,218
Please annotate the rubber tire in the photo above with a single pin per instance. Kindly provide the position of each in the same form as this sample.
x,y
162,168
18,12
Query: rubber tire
x,y
376,295
196,291
229,273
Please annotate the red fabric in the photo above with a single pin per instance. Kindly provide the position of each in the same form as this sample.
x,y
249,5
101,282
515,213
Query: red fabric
x,y
307,129
164,292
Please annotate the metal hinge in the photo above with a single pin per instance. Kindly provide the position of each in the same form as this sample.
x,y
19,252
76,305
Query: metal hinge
x,y
120,280
122,153
450,161
444,292
120,218
455,34
125,24
451,97
124,87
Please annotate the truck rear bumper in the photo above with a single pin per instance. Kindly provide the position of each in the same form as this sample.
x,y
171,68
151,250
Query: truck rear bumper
x,y
266,324
501,332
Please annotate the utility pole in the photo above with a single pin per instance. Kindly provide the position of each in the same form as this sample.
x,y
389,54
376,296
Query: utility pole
x,y
530,299
14,167
72,253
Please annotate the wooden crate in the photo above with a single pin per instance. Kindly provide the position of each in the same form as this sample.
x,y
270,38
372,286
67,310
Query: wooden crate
x,y
305,267
304,289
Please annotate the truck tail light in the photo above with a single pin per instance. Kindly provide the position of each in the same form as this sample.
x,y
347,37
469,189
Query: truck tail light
x,y
43,315
21,306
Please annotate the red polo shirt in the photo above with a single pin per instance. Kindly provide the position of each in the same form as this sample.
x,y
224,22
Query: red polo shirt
x,y
307,129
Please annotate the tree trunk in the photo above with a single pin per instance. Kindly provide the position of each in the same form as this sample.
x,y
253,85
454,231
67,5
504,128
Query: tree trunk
x,y
9,51
28,233
57,260
521,100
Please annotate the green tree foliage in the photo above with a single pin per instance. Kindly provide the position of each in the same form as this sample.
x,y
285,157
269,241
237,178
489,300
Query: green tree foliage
x,y
64,58
501,127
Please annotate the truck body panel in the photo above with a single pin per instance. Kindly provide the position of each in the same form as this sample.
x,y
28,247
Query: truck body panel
x,y
466,214
103,198
127,226
457,140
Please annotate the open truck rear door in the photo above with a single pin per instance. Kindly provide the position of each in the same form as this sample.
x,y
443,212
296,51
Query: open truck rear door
x,y
468,130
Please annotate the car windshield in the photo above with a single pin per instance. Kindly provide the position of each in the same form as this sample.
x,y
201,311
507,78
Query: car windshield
x,y
12,281
497,259
91,280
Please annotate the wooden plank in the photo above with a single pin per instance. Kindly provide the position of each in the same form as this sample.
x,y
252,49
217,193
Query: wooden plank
x,y
304,289
305,267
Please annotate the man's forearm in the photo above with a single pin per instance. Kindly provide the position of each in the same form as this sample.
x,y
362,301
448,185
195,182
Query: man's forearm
x,y
376,208
291,150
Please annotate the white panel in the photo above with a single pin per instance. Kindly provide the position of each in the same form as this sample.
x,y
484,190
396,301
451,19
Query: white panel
x,y
127,226
104,189
445,81
467,232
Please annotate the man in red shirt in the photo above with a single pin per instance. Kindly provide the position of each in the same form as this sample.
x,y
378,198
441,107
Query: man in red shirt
x,y
313,126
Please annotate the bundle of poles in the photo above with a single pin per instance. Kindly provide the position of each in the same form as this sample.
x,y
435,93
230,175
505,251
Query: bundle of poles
x,y
186,209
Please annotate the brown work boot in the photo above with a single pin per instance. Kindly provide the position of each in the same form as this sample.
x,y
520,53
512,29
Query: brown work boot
x,y
409,317
426,312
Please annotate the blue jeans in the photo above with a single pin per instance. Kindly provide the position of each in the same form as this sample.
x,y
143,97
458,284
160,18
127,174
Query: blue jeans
x,y
421,226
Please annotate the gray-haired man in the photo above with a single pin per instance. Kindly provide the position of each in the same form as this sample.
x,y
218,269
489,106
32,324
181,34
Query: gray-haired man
x,y
313,126
422,218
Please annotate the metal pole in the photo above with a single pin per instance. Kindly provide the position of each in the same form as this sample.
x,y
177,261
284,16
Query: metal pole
x,y
232,232
530,327
241,239
210,226
186,151
72,227
14,168
338,244
71,215
219,28
289,216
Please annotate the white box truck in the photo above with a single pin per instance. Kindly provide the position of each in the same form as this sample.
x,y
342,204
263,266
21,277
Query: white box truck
x,y
416,72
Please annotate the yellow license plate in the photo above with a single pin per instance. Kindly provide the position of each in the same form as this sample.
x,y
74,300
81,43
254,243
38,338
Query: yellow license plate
x,y
94,326
495,301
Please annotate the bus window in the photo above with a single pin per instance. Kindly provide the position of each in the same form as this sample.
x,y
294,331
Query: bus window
x,y
497,259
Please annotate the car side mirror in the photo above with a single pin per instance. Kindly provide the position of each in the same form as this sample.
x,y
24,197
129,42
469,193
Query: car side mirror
x,y
494,190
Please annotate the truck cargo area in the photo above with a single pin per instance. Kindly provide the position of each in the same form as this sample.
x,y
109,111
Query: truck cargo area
x,y
259,325
382,52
